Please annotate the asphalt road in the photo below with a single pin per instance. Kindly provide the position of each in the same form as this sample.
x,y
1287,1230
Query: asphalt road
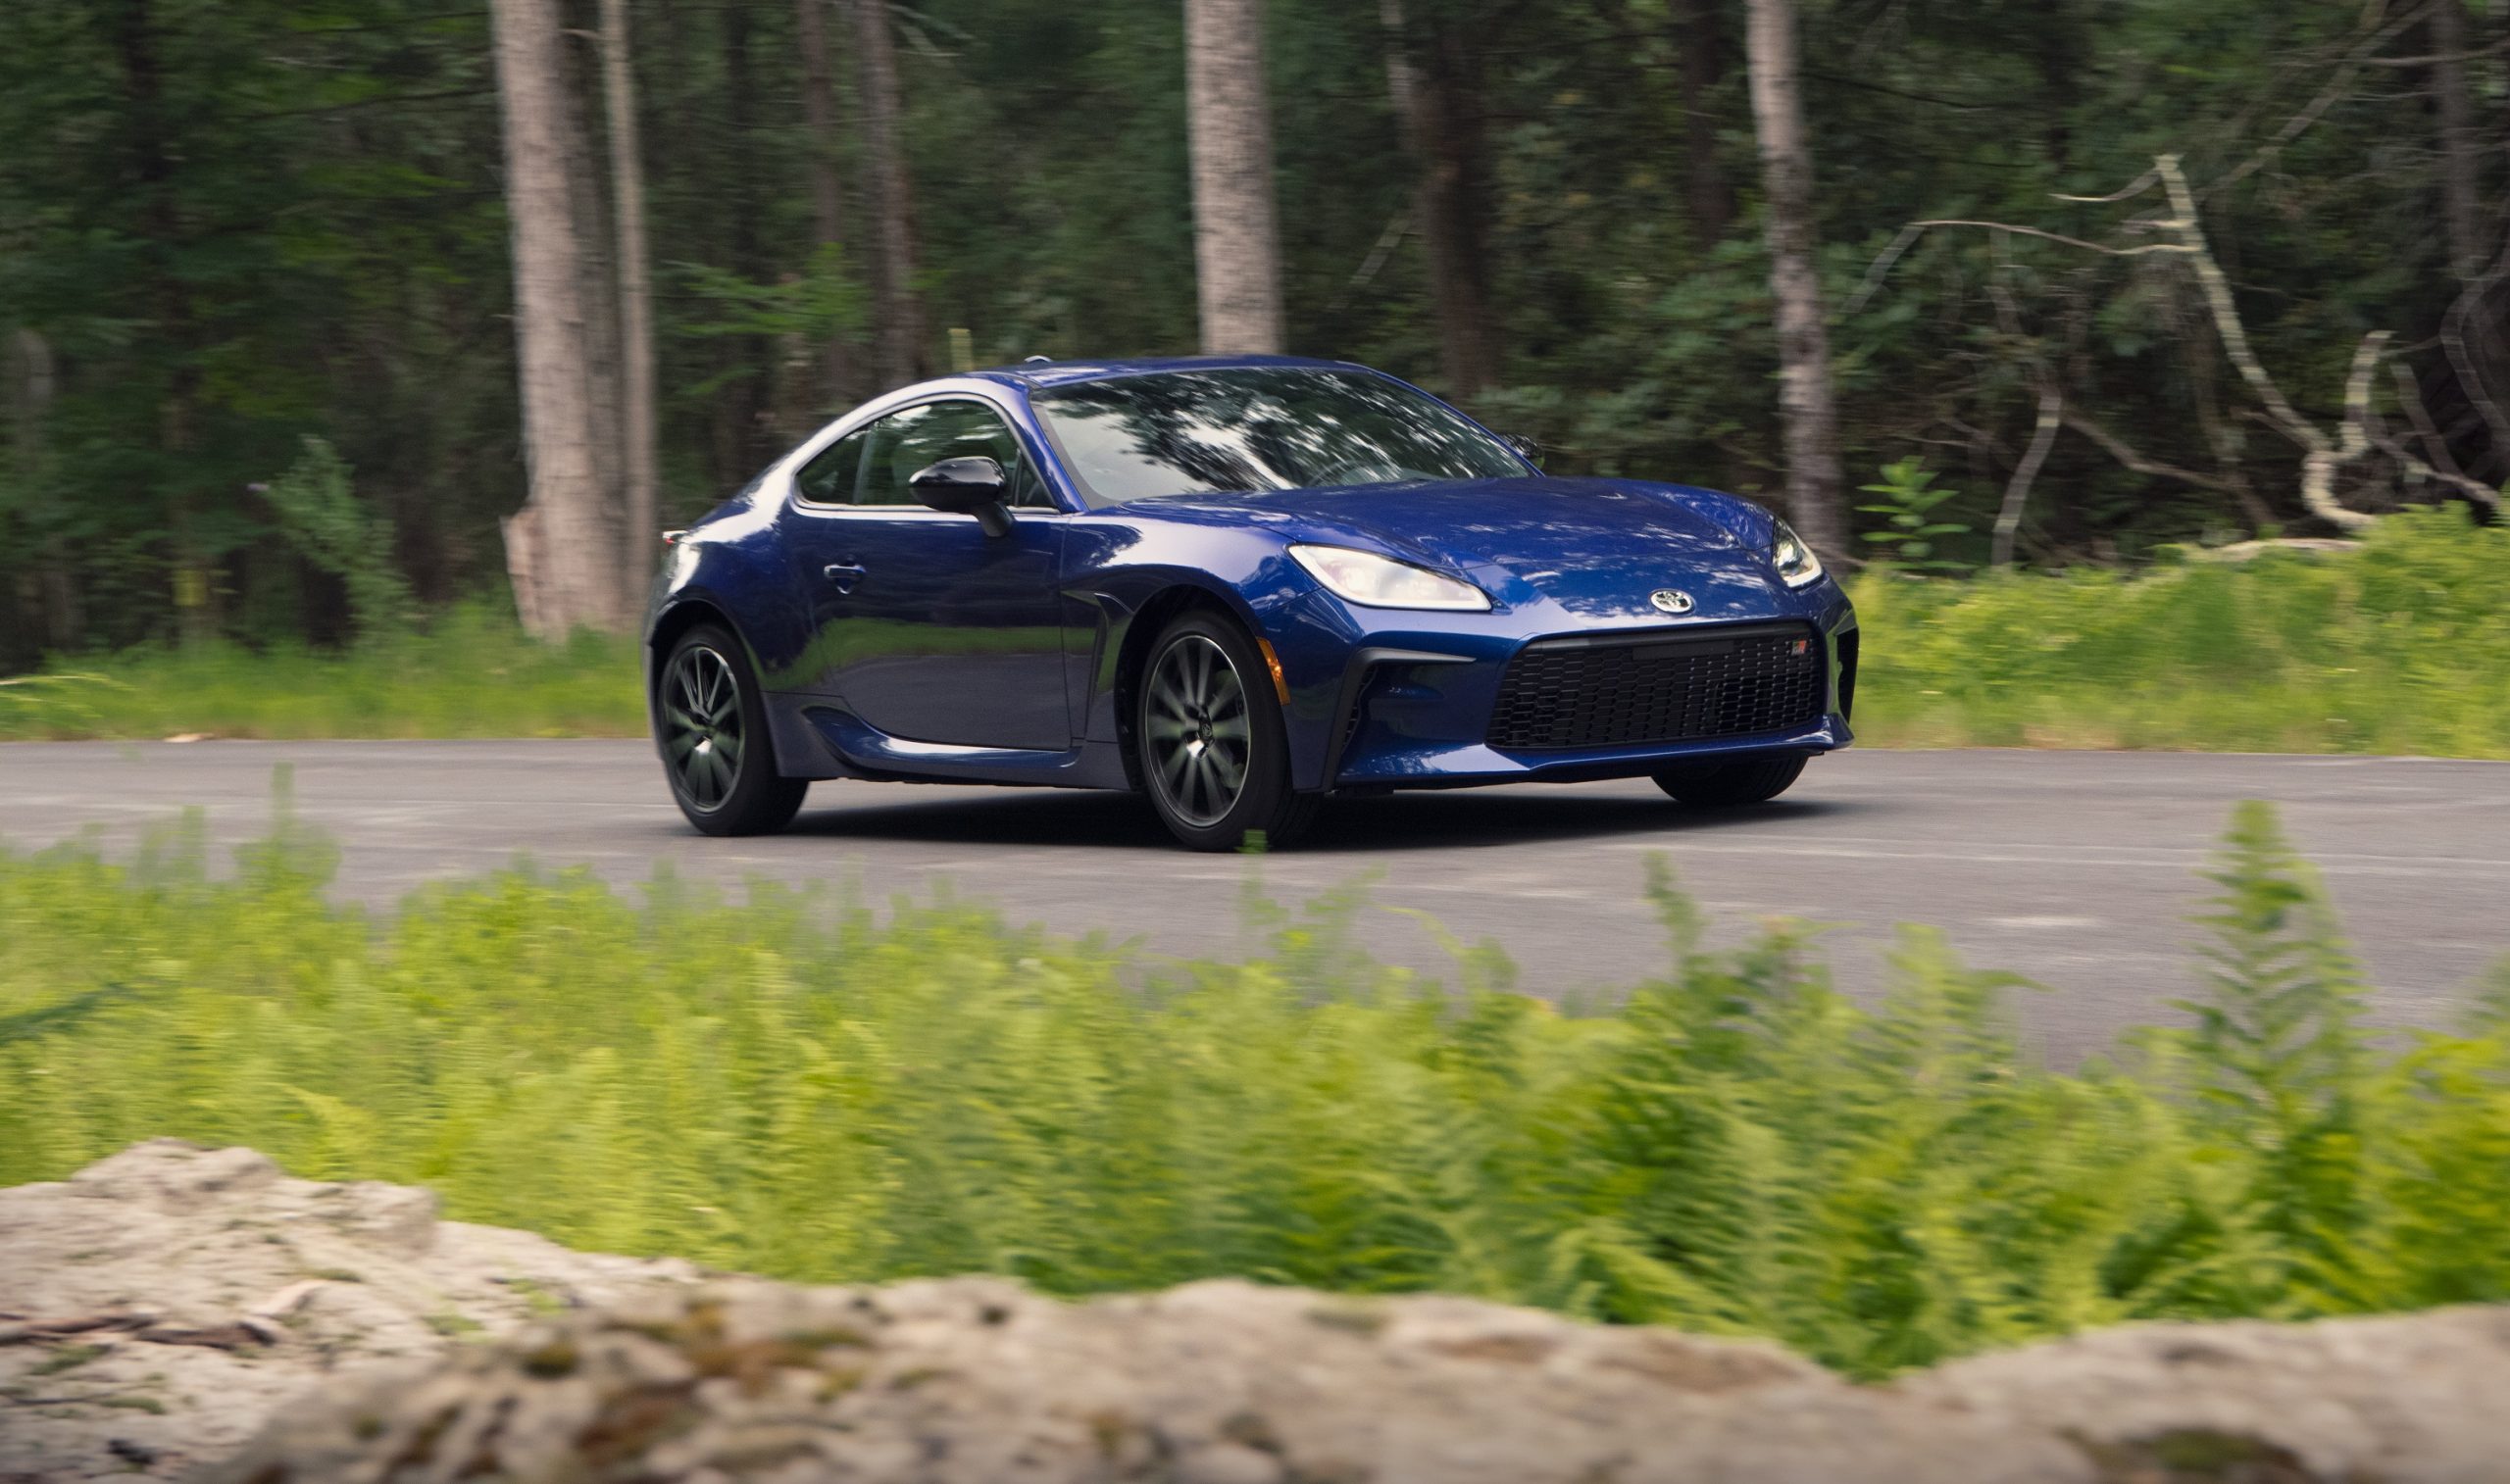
x,y
2078,869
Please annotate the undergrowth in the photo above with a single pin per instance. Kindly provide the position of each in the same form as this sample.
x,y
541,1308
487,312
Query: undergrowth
x,y
2395,647
794,1085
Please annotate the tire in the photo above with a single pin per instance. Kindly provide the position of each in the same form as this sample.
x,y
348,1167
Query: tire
x,y
1215,757
710,724
1731,785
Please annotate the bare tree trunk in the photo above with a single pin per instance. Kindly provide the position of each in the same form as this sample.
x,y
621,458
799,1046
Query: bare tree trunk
x,y
2461,187
642,546
1441,111
604,360
1805,402
895,304
154,157
48,587
560,547
1236,243
2017,490
828,194
1703,50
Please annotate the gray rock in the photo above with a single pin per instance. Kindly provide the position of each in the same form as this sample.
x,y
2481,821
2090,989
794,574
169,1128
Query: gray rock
x,y
663,1375
216,1288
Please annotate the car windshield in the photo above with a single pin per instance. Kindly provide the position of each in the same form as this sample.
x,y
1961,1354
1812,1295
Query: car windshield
x,y
1254,428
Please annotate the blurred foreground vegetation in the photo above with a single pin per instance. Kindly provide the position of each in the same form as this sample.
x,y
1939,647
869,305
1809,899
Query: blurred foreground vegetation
x,y
2395,647
797,1087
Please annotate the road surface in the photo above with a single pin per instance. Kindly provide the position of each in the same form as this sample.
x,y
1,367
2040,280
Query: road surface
x,y
2078,869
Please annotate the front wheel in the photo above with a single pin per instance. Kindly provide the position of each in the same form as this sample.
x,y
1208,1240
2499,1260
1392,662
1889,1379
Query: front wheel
x,y
712,726
1214,754
1728,785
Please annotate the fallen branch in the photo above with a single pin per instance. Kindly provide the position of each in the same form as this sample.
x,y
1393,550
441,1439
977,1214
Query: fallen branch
x,y
2119,449
39,1331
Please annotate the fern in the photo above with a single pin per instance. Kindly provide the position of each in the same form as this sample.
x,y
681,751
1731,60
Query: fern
x,y
850,1096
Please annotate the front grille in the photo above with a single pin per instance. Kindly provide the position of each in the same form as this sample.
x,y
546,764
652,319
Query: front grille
x,y
1738,681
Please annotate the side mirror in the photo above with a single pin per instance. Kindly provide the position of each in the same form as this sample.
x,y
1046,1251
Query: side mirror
x,y
972,485
1526,449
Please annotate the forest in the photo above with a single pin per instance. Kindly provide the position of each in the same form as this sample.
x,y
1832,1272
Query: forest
x,y
1959,283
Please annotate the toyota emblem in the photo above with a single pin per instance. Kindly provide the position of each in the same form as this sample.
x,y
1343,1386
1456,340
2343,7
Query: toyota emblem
x,y
1669,600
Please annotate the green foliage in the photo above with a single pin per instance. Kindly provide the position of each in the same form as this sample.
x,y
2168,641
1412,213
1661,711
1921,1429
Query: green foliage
x,y
232,224
1910,527
321,516
822,1092
2395,647
815,304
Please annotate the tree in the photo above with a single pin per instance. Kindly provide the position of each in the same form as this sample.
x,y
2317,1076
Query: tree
x,y
562,548
635,302
1237,255
1701,37
897,308
1805,401
828,194
1433,75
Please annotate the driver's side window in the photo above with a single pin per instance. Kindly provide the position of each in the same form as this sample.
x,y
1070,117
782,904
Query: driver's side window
x,y
917,437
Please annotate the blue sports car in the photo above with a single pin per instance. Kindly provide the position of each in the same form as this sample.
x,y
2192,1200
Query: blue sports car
x,y
1240,587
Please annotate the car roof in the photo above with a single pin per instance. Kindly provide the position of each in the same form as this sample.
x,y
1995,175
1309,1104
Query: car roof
x,y
1036,374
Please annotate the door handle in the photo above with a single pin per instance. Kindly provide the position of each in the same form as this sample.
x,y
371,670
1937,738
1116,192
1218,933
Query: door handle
x,y
844,574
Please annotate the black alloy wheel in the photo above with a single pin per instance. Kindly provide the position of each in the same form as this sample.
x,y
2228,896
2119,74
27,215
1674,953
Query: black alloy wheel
x,y
712,727
1214,755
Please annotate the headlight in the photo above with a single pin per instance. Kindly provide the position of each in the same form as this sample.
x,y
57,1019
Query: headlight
x,y
1375,582
1795,563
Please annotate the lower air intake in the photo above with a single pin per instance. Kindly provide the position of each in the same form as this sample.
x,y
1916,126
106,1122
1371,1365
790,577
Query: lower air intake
x,y
1684,686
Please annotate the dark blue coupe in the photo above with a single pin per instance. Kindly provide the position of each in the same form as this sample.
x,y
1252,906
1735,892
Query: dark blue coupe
x,y
1240,587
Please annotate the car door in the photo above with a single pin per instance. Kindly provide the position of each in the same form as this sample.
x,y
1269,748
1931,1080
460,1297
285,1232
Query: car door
x,y
925,626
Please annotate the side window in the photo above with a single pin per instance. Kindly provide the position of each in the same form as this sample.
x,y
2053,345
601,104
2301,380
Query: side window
x,y
832,476
909,441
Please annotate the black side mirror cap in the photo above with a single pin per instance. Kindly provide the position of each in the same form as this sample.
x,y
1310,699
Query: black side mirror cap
x,y
1526,449
970,485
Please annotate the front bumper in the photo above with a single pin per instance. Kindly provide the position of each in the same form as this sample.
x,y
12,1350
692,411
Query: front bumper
x,y
1412,710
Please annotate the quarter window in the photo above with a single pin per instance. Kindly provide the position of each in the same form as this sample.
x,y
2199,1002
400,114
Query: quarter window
x,y
831,477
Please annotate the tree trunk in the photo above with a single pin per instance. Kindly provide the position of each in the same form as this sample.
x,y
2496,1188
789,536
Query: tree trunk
x,y
1805,403
1702,42
48,585
1236,244
1438,106
642,546
560,547
827,195
896,307
604,357
2461,183
154,155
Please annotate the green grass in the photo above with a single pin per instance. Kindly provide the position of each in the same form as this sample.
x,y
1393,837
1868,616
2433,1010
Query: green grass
x,y
471,673
797,1086
2396,647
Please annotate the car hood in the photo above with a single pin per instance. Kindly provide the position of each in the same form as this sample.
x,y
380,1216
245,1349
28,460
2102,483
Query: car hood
x,y
1595,547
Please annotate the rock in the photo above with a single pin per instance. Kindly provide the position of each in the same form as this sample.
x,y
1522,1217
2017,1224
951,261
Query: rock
x,y
673,1377
973,1381
160,1304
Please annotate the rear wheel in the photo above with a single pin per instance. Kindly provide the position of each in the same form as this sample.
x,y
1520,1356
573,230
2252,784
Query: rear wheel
x,y
1214,755
1726,786
712,726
